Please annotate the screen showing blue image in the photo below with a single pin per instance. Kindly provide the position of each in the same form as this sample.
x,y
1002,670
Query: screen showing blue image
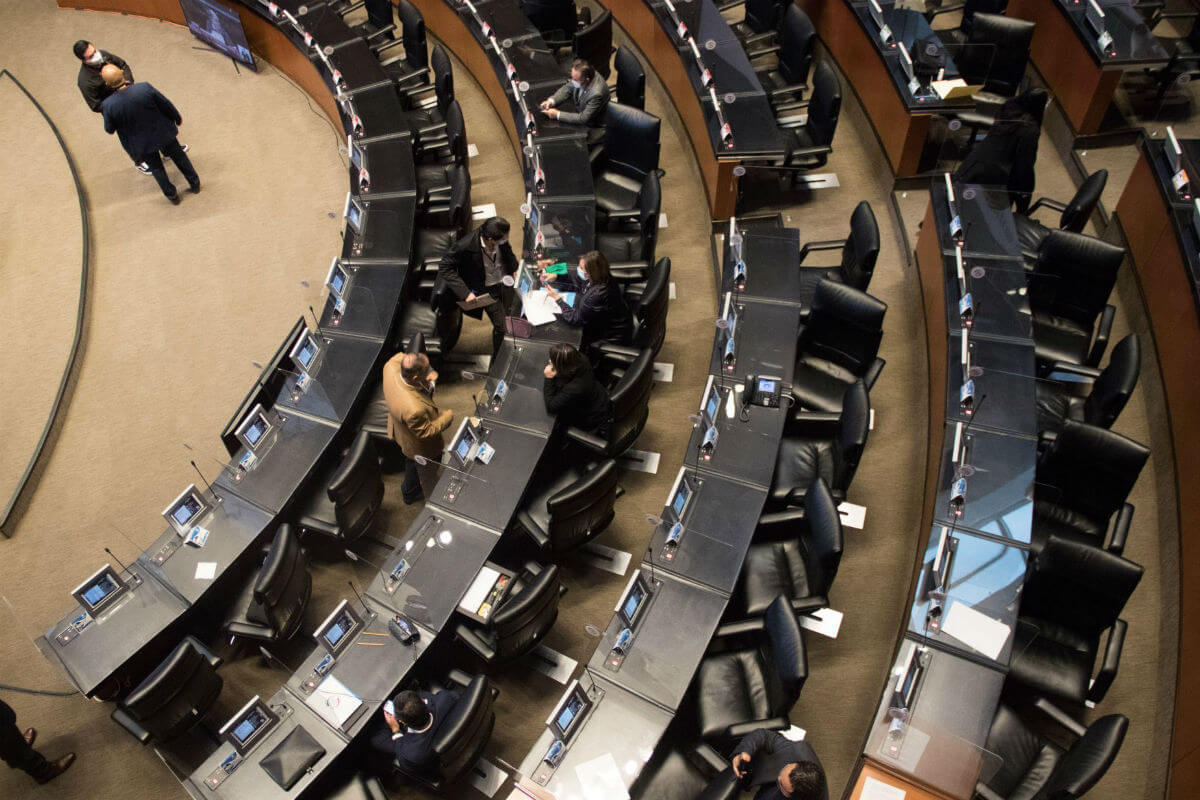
x,y
256,430
354,216
338,281
463,449
249,725
99,590
681,499
637,593
305,356
567,716
218,27
714,402
187,509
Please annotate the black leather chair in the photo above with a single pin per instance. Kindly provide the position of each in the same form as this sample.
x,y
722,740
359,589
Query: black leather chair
x,y
650,303
271,608
686,772
631,407
631,235
343,504
593,42
752,676
630,151
379,24
521,620
837,345
631,79
1034,768
174,697
428,118
760,19
809,145
1087,394
860,250
969,8
1073,593
572,509
461,739
437,189
435,153
788,80
1083,480
556,20
411,67
1074,215
821,445
795,553
444,224
1068,294
358,787
996,54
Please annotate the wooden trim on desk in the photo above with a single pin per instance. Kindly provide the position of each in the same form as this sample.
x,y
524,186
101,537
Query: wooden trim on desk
x,y
912,791
1174,321
901,134
660,53
1081,87
266,41
931,272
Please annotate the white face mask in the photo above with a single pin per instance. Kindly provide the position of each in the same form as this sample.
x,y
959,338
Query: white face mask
x,y
96,59
582,275
576,84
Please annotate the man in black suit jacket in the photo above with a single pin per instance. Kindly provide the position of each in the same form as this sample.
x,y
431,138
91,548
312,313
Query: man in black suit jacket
x,y
781,768
146,122
475,267
408,738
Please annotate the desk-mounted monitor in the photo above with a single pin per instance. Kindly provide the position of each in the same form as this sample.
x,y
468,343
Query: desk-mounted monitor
x,y
100,590
567,717
339,628
306,352
679,498
255,428
710,402
218,27
633,601
249,726
186,510
354,213
358,156
338,282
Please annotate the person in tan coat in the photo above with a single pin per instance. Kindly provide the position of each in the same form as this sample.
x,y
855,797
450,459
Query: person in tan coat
x,y
414,421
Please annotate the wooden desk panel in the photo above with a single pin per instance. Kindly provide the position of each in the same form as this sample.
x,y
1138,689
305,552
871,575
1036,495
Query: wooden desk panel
x,y
1079,85
266,41
912,791
930,269
1175,323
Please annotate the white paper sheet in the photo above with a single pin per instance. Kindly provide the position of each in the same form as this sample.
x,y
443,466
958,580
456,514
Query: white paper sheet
x,y
206,570
478,592
944,88
976,630
333,701
539,308
878,790
600,779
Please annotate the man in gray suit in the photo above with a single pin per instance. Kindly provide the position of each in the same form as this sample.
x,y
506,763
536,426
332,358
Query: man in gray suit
x,y
778,768
589,93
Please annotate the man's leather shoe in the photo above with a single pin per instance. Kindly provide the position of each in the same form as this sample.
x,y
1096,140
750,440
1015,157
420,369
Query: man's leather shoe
x,y
174,199
30,736
194,187
58,768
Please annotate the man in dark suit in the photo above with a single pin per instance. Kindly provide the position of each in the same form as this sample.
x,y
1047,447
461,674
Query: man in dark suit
x,y
780,768
16,748
408,739
476,266
590,95
146,122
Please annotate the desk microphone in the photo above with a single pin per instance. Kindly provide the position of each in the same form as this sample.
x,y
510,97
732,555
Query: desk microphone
x,y
471,376
366,607
511,282
207,485
316,320
424,461
121,565
650,560
695,418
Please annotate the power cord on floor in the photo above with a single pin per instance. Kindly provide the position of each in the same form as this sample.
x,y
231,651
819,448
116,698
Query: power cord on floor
x,y
4,687
336,135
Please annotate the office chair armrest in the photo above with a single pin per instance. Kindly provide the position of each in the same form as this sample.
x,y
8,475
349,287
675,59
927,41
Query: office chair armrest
x,y
741,627
755,38
975,119
779,525
873,372
352,7
929,15
1112,660
705,755
474,642
1120,530
742,729
807,605
379,49
388,29
810,151
812,423
624,215
616,353
1048,203
787,91
1061,717
729,5
1103,331
587,439
1077,375
984,793
122,718
532,530
630,271
774,47
214,661
459,678
416,74
828,244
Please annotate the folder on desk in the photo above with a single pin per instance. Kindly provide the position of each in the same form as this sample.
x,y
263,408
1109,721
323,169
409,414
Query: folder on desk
x,y
333,701
955,88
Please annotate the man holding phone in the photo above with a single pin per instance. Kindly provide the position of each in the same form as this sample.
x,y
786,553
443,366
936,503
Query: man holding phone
x,y
412,721
780,768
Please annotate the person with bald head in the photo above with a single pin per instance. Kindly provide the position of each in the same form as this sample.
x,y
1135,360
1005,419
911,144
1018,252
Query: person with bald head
x,y
414,421
146,122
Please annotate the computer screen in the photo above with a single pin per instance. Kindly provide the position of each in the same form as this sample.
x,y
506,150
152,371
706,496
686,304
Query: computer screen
x,y
254,428
354,216
95,594
564,721
305,351
876,12
634,600
186,509
767,385
356,153
337,278
339,628
462,449
100,589
249,725
906,61
218,27
680,501
526,282
1094,16
714,403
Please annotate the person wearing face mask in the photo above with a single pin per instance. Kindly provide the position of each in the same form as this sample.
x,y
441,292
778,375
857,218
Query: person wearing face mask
x,y
414,420
599,307
572,393
588,92
476,266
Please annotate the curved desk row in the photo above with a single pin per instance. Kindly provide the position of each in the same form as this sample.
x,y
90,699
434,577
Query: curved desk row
x,y
1160,230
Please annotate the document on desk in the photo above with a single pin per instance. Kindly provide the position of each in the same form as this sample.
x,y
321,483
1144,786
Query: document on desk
x,y
878,790
976,630
473,601
600,779
206,570
333,701
954,88
539,308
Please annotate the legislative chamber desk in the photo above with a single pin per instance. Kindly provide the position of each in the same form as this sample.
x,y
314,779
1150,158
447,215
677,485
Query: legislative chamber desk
x,y
1160,230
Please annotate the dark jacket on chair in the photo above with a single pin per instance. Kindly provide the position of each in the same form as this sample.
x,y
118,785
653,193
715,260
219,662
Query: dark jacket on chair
x,y
414,751
599,309
581,401
769,752
143,119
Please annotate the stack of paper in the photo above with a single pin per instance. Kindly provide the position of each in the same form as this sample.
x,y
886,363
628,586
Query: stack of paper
x,y
977,631
539,308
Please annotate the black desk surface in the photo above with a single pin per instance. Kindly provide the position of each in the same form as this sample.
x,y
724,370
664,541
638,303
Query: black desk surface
x,y
942,743
234,526
519,364
444,553
388,227
360,68
389,162
565,165
718,524
326,26
670,638
764,344
1003,371
622,729
1133,42
279,471
742,446
491,504
998,289
772,258
371,300
347,364
987,220
568,226
250,779
999,470
102,648
371,670
379,110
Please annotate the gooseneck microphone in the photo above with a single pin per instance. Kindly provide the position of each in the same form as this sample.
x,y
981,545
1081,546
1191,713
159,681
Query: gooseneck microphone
x,y
425,461
361,599
119,562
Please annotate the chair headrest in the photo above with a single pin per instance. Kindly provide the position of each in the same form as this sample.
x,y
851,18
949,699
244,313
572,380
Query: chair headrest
x,y
1081,586
540,592
1075,215
845,302
281,562
1086,761
786,643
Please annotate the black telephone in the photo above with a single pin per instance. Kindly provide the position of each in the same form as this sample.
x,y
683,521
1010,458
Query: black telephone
x,y
762,390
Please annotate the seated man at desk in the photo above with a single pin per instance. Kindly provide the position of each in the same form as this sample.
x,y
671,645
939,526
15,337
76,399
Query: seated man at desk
x,y
407,740
600,307
414,421
590,94
476,266
572,392
780,768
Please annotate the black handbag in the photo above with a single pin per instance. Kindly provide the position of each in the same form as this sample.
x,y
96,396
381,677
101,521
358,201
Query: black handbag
x,y
292,757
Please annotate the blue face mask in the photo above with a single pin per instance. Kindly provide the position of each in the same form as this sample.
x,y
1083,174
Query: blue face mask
x,y
576,84
582,275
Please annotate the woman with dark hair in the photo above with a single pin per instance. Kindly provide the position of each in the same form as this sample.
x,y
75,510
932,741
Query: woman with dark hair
x,y
572,392
599,306
1007,154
